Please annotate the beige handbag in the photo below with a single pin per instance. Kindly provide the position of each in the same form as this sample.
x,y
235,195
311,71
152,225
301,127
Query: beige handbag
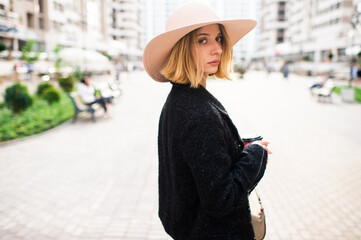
x,y
259,221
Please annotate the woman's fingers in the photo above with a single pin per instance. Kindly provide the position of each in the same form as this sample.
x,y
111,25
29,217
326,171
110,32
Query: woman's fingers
x,y
264,144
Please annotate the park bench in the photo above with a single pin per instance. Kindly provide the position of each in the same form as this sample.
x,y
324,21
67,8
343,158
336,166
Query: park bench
x,y
324,92
108,89
80,106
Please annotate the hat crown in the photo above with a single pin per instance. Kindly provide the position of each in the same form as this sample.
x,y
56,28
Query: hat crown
x,y
190,14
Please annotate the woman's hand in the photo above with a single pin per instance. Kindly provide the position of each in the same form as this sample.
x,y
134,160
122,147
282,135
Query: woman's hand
x,y
263,144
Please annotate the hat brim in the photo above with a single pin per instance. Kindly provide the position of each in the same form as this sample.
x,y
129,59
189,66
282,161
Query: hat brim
x,y
157,50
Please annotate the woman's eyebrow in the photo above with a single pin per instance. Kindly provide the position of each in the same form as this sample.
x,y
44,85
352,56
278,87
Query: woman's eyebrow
x,y
207,34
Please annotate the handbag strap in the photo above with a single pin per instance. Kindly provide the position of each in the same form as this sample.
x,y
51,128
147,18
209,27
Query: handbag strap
x,y
259,199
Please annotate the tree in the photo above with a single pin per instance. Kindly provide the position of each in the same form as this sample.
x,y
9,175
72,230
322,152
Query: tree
x,y
58,59
28,54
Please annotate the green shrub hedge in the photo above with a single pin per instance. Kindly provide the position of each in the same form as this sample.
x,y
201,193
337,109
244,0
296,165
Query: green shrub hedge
x,y
67,83
51,95
17,98
38,118
42,87
337,90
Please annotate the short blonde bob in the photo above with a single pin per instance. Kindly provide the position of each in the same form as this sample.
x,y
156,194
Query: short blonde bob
x,y
183,67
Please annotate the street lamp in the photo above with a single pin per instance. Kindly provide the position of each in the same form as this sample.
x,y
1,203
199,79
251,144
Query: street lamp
x,y
356,16
356,24
347,94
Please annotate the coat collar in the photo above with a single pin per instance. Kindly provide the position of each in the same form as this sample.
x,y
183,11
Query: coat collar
x,y
206,96
203,94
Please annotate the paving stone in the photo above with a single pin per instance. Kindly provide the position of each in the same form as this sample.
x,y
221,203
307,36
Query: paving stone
x,y
99,180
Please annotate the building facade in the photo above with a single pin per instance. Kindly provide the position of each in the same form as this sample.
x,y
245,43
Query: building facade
x,y
311,30
233,9
125,19
272,26
108,26
11,28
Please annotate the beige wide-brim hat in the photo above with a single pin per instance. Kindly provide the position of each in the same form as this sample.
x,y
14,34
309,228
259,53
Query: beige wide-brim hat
x,y
184,20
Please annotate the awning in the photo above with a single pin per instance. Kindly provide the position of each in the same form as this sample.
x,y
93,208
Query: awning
x,y
86,60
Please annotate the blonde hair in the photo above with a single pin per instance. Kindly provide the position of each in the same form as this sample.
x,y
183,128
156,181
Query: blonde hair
x,y
183,66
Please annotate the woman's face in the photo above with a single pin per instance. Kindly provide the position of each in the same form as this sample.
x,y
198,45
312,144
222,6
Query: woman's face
x,y
209,47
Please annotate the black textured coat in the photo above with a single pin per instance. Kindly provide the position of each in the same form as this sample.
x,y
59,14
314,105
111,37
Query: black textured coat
x,y
205,172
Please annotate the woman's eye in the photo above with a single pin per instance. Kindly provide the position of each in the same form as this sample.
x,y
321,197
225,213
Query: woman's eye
x,y
202,41
219,39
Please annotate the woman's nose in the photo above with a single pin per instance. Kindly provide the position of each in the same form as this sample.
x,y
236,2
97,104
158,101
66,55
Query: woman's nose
x,y
217,48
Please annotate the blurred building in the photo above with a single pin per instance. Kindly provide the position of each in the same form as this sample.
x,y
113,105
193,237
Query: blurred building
x,y
272,27
321,29
311,30
75,24
156,14
355,33
233,9
125,26
109,26
10,25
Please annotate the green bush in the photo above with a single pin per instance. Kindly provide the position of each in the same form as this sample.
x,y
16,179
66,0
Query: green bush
x,y
337,90
51,95
28,54
357,94
17,98
38,118
78,74
67,83
42,87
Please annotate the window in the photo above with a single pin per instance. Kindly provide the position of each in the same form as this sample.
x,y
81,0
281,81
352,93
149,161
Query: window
x,y
41,6
341,52
56,26
30,20
41,23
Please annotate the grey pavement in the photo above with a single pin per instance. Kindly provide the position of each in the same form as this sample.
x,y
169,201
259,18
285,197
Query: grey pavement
x,y
99,180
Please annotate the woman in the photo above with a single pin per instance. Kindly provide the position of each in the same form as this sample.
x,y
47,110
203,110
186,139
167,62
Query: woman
x,y
87,93
205,172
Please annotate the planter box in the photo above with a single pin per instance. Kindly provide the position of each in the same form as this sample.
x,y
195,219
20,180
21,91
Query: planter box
x,y
348,94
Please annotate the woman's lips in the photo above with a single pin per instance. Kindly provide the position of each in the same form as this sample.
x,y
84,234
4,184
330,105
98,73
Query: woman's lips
x,y
214,63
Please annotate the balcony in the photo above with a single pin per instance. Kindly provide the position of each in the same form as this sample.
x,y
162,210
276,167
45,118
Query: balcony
x,y
8,22
11,17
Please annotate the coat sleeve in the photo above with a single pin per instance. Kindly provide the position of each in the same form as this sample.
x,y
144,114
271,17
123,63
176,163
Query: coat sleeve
x,y
223,183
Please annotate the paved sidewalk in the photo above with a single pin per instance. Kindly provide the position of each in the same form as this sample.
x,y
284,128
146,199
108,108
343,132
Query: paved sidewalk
x,y
98,181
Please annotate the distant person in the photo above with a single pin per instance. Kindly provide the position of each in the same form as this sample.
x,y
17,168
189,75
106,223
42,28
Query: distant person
x,y
16,70
29,71
321,81
285,70
358,80
118,69
87,93
269,67
354,71
205,170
